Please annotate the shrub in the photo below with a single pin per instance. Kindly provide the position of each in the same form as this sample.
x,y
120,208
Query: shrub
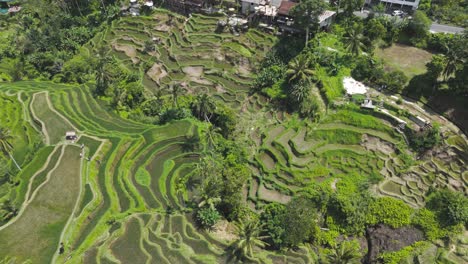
x,y
399,256
389,211
450,207
269,76
174,114
272,216
207,217
395,81
299,221
427,221
426,139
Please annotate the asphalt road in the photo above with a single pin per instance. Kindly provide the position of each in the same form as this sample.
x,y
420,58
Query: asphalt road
x,y
435,28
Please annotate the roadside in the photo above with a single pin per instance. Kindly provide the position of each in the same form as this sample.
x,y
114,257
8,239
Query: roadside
x,y
435,28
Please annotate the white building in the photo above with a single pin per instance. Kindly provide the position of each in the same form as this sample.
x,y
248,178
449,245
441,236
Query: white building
x,y
413,4
326,18
249,6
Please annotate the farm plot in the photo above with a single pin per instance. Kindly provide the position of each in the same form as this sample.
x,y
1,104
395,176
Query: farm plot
x,y
39,225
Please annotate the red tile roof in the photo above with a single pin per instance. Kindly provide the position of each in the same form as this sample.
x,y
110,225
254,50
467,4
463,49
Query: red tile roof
x,y
285,7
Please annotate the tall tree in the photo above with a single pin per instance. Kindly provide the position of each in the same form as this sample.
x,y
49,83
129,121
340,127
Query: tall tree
x,y
103,75
453,60
299,221
5,145
204,106
349,6
248,233
300,91
420,24
299,69
307,13
354,40
175,90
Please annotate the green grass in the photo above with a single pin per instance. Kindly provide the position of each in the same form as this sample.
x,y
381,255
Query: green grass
x,y
143,177
238,48
55,125
28,171
90,143
412,61
357,119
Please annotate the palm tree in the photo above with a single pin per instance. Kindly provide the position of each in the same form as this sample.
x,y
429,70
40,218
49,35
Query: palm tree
x,y
175,90
453,59
354,41
204,107
248,233
344,253
300,91
103,76
299,69
211,202
5,145
210,134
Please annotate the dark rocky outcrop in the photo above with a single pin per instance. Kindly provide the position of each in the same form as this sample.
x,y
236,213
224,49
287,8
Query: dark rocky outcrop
x,y
382,238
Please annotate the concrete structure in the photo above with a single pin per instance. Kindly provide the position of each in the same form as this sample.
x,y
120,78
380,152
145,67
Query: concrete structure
x,y
398,4
268,7
367,103
326,18
70,135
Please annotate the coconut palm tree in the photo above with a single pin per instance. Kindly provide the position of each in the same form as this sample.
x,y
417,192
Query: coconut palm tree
x,y
211,202
204,107
210,135
5,145
354,41
249,237
344,253
175,90
300,91
299,69
452,61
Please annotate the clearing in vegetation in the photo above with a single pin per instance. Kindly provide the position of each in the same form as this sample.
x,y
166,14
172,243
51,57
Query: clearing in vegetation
x,y
410,60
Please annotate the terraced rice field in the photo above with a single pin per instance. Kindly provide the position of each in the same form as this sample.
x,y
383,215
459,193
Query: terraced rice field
x,y
338,147
110,196
119,202
100,197
189,52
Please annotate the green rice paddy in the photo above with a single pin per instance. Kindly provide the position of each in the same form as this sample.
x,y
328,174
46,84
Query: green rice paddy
x,y
117,201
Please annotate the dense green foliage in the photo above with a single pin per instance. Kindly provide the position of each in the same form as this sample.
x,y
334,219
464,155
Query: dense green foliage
x,y
207,217
392,212
425,139
450,207
446,11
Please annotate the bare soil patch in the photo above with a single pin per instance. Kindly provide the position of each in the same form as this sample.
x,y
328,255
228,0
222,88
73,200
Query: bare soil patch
x,y
376,144
193,71
130,51
162,28
224,230
157,72
272,195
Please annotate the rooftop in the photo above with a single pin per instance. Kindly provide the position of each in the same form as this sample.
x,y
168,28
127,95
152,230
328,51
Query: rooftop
x,y
325,15
285,7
